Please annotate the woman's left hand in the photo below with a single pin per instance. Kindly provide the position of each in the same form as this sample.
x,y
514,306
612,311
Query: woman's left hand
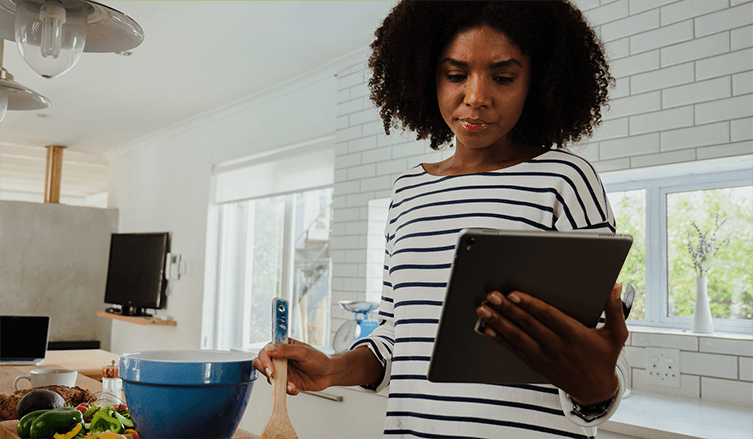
x,y
577,359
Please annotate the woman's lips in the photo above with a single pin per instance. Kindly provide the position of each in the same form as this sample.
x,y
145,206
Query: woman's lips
x,y
474,125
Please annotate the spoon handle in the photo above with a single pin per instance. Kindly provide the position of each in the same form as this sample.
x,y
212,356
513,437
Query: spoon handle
x,y
279,335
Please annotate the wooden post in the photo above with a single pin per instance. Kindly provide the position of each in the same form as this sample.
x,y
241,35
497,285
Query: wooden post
x,y
54,172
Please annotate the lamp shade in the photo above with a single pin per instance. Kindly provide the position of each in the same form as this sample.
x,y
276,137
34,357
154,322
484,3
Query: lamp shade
x,y
21,97
52,33
108,30
49,36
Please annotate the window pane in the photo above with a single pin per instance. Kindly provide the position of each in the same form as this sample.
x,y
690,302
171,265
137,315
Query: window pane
x,y
267,219
312,266
629,209
256,238
730,284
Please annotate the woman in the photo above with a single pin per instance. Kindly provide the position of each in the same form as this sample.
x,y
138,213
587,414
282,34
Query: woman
x,y
511,83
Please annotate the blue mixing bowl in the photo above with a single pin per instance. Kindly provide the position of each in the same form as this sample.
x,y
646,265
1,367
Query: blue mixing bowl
x,y
187,393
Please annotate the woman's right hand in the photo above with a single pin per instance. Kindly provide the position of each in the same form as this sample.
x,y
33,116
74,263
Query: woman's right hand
x,y
308,368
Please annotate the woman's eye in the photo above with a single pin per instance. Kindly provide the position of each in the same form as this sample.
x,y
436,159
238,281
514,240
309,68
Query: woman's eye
x,y
455,78
502,80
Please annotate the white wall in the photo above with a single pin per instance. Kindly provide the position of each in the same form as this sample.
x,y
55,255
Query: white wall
x,y
163,183
164,187
684,73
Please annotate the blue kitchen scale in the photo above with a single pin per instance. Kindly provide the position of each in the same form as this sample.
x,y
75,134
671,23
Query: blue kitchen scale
x,y
357,328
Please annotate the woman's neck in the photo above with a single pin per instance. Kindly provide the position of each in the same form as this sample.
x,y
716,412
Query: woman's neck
x,y
472,161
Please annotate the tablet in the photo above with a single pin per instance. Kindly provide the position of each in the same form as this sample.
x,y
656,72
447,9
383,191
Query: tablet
x,y
572,271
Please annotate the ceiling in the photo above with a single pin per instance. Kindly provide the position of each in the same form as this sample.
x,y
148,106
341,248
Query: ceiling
x,y
196,56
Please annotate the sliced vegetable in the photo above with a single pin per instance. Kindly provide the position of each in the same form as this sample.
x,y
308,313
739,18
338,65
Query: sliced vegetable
x,y
102,422
123,420
70,434
111,435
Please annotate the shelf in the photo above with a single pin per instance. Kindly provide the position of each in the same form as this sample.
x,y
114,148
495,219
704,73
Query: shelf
x,y
137,320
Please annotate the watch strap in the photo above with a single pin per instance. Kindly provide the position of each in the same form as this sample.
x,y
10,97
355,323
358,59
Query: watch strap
x,y
592,412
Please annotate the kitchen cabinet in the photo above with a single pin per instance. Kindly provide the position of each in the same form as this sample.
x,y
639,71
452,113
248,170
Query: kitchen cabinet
x,y
360,414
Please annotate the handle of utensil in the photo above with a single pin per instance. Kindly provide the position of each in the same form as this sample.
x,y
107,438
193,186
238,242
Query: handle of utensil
x,y
279,335
279,320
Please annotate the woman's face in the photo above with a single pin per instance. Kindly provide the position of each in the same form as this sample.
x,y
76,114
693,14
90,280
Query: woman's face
x,y
482,84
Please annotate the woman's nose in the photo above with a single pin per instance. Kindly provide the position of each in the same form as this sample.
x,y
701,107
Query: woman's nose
x,y
477,92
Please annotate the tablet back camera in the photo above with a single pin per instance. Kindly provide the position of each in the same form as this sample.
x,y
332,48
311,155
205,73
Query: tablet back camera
x,y
469,243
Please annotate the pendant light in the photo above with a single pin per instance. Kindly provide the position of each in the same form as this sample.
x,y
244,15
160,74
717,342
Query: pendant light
x,y
14,96
52,34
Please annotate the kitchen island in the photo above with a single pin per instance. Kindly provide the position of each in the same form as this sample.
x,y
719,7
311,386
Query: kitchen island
x,y
88,362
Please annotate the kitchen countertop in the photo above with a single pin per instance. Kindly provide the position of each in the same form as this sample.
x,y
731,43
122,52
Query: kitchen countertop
x,y
655,416
651,415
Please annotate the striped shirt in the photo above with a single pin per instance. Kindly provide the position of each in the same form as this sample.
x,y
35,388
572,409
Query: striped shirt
x,y
556,191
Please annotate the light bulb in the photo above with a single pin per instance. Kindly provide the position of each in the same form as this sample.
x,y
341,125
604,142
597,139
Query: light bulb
x,y
51,36
3,102
53,17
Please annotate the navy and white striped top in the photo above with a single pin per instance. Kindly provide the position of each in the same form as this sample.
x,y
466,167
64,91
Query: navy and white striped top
x,y
555,191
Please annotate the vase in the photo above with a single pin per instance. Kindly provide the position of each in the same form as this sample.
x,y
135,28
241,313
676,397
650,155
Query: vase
x,y
702,312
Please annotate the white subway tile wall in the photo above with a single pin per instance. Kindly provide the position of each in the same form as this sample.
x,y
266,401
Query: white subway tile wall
x,y
684,92
709,364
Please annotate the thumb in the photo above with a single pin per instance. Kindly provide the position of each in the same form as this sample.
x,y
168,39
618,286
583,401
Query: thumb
x,y
614,318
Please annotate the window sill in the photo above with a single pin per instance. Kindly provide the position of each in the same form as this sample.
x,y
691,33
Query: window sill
x,y
673,331
648,415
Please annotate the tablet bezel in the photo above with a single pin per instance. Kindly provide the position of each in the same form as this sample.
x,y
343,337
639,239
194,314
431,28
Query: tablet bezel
x,y
573,271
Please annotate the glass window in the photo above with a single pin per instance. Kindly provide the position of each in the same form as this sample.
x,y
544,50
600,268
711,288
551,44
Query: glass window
x,y
274,247
725,217
662,216
629,209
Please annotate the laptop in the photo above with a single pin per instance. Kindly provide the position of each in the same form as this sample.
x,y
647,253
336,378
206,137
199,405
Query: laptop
x,y
23,339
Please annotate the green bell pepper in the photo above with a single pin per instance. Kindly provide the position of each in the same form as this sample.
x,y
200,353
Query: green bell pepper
x,y
102,422
24,425
58,420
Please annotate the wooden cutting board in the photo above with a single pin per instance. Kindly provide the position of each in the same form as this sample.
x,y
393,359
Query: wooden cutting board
x,y
8,430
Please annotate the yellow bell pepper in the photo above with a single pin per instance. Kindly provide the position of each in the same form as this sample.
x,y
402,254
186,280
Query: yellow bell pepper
x,y
70,434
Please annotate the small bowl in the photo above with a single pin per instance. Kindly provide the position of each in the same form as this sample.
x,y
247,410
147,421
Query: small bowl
x,y
187,393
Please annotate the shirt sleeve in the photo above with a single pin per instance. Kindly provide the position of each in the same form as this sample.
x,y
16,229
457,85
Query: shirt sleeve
x,y
381,341
584,206
621,371
582,199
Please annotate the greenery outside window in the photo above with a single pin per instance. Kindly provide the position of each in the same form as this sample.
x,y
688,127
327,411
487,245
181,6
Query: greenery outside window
x,y
658,213
274,247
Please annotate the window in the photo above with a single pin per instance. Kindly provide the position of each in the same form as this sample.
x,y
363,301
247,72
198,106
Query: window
x,y
269,235
660,213
258,238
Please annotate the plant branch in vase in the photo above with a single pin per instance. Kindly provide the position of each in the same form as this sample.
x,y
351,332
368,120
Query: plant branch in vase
x,y
701,253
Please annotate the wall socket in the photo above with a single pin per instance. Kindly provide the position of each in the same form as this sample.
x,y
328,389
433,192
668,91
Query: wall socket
x,y
663,367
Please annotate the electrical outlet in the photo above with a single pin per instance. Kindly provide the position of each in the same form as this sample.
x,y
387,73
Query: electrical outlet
x,y
663,367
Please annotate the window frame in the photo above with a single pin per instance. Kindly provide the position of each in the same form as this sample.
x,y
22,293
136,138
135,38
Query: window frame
x,y
656,241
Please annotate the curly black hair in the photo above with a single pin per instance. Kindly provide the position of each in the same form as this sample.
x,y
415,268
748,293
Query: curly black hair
x,y
570,77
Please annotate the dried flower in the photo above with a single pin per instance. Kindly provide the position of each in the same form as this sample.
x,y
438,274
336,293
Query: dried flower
x,y
707,246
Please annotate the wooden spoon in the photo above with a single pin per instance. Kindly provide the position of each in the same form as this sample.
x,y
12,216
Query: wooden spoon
x,y
279,426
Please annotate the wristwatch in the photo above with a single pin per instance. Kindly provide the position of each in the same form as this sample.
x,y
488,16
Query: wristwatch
x,y
592,412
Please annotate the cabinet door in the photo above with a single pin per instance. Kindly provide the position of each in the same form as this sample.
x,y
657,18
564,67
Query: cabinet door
x,y
358,415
